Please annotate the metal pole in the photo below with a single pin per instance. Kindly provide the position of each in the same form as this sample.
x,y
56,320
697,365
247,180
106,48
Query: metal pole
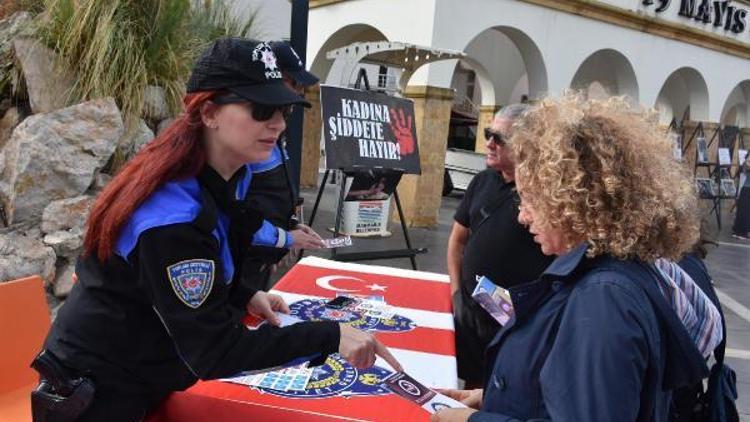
x,y
298,40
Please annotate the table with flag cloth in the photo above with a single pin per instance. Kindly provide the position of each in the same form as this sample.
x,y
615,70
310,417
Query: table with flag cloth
x,y
419,334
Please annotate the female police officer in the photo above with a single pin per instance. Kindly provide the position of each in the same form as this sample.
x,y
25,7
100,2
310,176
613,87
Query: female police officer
x,y
159,297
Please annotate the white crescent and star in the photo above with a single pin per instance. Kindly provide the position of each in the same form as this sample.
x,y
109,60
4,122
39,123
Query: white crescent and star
x,y
325,283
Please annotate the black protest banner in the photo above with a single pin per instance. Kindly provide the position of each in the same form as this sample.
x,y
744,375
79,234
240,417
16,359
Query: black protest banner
x,y
368,130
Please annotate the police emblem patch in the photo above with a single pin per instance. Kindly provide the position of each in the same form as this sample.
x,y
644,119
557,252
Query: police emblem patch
x,y
315,310
337,378
192,280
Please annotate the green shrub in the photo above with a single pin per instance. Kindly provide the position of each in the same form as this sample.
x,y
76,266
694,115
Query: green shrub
x,y
118,47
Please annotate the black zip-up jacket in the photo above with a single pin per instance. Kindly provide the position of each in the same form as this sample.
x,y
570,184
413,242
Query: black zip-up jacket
x,y
131,326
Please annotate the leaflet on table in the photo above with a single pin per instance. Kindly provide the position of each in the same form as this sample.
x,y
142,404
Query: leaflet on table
x,y
410,389
494,299
294,378
372,306
338,242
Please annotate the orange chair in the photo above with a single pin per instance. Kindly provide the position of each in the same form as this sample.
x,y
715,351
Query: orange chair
x,y
24,323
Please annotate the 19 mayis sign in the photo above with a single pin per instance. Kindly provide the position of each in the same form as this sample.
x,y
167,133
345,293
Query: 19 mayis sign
x,y
731,16
367,130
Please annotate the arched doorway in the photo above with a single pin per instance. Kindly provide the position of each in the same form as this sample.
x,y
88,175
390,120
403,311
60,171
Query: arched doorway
x,y
606,72
503,66
683,96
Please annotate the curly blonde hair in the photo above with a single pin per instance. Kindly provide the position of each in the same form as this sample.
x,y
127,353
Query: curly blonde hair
x,y
603,172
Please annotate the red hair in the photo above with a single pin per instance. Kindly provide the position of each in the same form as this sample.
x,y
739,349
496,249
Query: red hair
x,y
177,153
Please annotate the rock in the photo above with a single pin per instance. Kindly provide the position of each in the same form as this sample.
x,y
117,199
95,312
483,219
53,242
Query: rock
x,y
155,103
54,306
65,243
100,181
48,81
163,125
11,119
55,155
5,105
14,25
66,214
134,139
23,256
64,280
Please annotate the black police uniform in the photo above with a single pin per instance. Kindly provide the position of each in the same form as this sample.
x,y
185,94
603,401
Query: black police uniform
x,y
165,310
270,190
127,326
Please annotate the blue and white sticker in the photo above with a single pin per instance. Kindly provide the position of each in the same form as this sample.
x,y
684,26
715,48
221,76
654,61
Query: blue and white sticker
x,y
192,280
336,377
315,310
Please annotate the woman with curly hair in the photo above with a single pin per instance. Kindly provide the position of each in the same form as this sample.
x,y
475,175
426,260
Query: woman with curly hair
x,y
611,326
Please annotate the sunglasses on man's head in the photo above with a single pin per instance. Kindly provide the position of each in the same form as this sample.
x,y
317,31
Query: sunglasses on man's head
x,y
259,112
497,138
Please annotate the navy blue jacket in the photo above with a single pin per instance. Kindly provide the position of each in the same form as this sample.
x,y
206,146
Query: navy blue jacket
x,y
592,340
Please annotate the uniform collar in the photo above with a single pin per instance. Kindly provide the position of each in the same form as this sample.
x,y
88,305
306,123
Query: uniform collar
x,y
223,191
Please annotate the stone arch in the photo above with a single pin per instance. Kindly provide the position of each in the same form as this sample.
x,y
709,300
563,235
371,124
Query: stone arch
x,y
611,70
683,94
358,32
736,110
512,63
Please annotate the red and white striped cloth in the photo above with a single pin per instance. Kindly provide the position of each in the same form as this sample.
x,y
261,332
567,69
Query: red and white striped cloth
x,y
427,352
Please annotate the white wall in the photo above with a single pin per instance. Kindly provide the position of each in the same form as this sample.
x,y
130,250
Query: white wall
x,y
502,60
563,40
272,17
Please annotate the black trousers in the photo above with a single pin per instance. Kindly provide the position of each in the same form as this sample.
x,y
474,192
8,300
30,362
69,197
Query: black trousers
x,y
474,331
742,220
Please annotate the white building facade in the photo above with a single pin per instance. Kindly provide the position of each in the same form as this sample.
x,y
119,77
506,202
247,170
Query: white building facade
x,y
537,47
689,59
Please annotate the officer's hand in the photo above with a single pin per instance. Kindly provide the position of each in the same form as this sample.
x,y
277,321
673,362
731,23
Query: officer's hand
x,y
360,349
305,238
452,415
263,305
471,398
307,229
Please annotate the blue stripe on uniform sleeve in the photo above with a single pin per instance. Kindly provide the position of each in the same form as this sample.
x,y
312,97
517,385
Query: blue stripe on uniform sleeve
x,y
267,235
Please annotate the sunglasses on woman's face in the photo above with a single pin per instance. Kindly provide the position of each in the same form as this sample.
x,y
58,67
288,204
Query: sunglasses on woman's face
x,y
497,138
259,112
263,112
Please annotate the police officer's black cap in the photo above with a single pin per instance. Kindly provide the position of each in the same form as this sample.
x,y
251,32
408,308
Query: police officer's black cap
x,y
291,64
247,68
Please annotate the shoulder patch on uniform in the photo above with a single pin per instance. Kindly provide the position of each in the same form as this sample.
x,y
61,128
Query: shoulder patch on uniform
x,y
192,280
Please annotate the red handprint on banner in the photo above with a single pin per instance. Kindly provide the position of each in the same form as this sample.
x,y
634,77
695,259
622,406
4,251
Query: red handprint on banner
x,y
401,126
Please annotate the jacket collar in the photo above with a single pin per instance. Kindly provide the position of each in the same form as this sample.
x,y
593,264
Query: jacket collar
x,y
527,297
564,265
223,191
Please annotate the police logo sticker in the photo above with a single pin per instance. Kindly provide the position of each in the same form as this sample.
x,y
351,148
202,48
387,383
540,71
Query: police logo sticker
x,y
315,310
337,378
192,280
263,53
330,379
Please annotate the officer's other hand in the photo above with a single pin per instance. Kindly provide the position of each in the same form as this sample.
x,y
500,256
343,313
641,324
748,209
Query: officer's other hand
x,y
264,305
305,238
471,398
360,349
307,229
452,415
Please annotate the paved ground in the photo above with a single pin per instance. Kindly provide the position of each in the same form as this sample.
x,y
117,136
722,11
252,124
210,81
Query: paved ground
x,y
729,263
